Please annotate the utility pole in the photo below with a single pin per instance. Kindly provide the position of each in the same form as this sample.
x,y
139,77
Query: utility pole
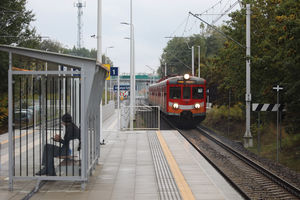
x,y
165,69
192,60
248,140
199,61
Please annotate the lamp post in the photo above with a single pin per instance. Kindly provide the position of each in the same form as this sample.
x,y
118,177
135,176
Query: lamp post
x,y
132,78
98,61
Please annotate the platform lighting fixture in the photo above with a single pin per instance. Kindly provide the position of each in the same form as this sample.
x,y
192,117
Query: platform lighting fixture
x,y
175,106
186,76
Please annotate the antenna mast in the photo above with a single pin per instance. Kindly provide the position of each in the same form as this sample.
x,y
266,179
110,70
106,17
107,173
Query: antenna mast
x,y
79,5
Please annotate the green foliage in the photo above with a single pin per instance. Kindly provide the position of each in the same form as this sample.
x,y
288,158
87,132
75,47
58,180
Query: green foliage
x,y
177,53
14,22
14,28
274,58
3,109
219,114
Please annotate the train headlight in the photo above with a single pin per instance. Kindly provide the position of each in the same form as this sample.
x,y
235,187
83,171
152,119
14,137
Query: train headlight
x,y
186,76
175,106
197,106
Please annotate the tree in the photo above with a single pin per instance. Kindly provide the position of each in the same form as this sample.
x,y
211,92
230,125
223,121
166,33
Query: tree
x,y
274,57
15,28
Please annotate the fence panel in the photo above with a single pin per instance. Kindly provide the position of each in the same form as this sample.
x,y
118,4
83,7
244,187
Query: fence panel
x,y
39,102
145,117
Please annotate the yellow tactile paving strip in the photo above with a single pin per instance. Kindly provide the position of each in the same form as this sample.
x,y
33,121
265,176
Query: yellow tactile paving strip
x,y
185,191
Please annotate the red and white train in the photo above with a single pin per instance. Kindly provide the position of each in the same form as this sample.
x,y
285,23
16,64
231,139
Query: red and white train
x,y
181,98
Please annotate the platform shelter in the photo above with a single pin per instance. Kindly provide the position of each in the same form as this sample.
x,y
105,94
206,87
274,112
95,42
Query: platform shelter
x,y
42,87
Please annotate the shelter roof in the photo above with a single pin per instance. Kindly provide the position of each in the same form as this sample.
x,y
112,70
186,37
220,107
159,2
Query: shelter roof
x,y
63,59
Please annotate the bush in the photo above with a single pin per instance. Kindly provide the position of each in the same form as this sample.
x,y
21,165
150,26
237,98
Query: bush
x,y
220,113
3,110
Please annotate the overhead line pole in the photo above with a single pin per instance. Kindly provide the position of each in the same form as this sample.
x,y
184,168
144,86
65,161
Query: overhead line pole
x,y
248,142
193,60
199,61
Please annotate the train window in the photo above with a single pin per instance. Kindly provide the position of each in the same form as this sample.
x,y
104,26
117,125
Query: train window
x,y
197,92
186,93
175,92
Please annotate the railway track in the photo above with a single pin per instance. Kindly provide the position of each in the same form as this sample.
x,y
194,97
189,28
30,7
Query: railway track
x,y
247,176
281,188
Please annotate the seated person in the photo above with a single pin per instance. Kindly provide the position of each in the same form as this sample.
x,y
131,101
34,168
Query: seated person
x,y
50,151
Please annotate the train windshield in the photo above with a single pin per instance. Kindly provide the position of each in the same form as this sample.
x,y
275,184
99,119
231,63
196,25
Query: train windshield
x,y
197,92
175,92
186,93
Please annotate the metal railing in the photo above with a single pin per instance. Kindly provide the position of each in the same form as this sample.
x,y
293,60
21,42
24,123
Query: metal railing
x,y
145,117
39,102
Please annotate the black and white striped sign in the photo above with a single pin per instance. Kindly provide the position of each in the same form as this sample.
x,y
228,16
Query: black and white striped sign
x,y
267,107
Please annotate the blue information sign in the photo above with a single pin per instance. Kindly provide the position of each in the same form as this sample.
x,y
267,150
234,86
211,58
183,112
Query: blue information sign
x,y
114,71
122,87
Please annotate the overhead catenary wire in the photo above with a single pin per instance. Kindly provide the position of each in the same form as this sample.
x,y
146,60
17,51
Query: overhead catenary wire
x,y
215,28
225,12
184,21
212,7
189,26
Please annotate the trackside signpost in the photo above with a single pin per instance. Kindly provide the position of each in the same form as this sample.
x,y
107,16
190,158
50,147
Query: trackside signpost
x,y
277,88
256,107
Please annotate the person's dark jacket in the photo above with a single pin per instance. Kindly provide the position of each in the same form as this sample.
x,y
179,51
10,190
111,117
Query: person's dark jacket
x,y
72,132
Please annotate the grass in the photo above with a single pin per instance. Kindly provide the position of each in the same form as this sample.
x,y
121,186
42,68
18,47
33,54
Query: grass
x,y
289,154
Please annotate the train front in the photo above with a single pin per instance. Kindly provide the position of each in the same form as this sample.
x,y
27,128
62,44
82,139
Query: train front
x,y
187,100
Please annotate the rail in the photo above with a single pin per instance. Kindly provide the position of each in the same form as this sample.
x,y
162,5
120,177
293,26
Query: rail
x,y
286,185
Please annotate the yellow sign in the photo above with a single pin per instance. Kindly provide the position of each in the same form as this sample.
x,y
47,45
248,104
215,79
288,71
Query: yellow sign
x,y
108,73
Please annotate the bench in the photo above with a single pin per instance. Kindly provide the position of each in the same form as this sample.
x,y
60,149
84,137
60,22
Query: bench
x,y
70,165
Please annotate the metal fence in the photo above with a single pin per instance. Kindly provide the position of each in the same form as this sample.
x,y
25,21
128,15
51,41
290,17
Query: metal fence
x,y
39,102
145,117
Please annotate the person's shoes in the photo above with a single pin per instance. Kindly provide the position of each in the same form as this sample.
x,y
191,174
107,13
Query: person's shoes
x,y
42,172
51,174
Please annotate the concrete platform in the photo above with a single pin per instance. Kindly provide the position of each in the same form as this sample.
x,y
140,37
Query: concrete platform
x,y
134,165
144,165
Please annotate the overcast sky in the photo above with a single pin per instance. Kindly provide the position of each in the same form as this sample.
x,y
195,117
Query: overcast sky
x,y
153,20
